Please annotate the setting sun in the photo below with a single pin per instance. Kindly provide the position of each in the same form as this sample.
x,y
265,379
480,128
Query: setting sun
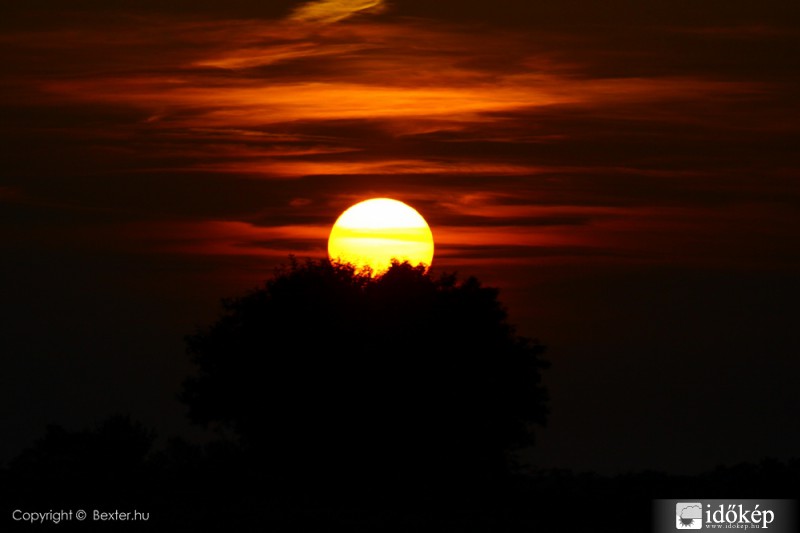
x,y
373,232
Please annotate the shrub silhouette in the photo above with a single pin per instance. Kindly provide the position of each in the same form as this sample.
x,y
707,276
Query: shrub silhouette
x,y
326,372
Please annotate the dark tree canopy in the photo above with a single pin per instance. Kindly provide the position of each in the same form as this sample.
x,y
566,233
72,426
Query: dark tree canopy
x,y
328,371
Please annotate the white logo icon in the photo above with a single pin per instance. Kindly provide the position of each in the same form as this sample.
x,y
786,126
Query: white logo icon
x,y
689,515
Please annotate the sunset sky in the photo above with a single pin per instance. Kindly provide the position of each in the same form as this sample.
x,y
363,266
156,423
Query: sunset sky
x,y
627,173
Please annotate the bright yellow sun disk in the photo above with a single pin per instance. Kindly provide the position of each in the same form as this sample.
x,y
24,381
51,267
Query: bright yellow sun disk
x,y
374,232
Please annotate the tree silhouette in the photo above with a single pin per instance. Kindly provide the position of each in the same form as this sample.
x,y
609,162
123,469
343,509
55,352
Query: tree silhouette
x,y
327,372
85,463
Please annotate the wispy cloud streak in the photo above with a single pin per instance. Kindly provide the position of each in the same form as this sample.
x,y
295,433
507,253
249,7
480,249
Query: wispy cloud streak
x,y
335,10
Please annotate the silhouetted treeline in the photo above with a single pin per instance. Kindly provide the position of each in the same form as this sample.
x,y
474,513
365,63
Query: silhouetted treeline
x,y
188,487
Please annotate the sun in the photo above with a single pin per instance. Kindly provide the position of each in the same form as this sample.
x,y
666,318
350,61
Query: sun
x,y
374,232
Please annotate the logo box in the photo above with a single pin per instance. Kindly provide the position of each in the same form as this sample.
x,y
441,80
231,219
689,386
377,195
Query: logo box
x,y
689,515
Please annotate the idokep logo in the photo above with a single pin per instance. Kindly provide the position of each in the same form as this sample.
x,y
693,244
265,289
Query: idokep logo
x,y
689,515
770,516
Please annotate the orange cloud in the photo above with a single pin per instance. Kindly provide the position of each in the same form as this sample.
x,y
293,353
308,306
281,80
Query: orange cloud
x,y
225,237
326,11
